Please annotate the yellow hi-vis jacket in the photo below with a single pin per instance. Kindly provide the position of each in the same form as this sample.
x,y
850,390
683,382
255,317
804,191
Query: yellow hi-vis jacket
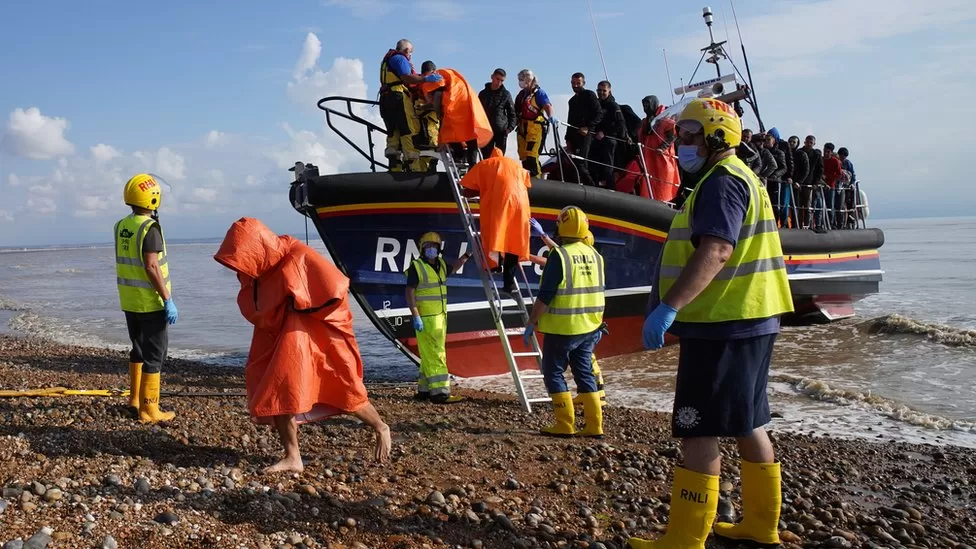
x,y
578,305
136,292
753,282
431,292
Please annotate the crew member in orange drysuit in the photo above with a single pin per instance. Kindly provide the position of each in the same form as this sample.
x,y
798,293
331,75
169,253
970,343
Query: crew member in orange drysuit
x,y
304,363
464,122
659,157
503,185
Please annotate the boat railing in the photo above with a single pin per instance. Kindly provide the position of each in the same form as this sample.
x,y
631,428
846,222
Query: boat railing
x,y
351,116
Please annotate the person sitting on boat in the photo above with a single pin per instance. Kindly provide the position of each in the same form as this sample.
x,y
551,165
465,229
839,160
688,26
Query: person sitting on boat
x,y
530,103
397,75
657,146
569,311
304,363
503,184
427,299
583,117
464,125
721,287
591,242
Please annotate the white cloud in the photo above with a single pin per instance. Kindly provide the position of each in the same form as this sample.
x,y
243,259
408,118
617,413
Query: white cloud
x,y
366,9
169,164
42,190
92,205
214,139
32,135
311,50
104,153
204,195
41,205
438,10
13,180
6,216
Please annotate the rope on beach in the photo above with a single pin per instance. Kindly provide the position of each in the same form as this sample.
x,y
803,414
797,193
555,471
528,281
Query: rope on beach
x,y
54,392
939,333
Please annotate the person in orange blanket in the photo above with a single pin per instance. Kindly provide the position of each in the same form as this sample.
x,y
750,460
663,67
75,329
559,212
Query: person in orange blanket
x,y
304,363
464,123
659,158
503,185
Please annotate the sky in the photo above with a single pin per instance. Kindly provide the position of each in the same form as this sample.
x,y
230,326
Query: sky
x,y
219,97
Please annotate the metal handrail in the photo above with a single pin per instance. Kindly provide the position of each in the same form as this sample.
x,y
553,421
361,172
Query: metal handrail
x,y
351,116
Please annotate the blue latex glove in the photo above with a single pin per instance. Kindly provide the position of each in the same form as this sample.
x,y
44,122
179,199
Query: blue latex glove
x,y
536,227
527,335
553,122
433,77
172,315
418,324
656,324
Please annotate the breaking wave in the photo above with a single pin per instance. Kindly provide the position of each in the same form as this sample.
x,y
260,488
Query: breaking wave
x,y
821,391
10,305
938,333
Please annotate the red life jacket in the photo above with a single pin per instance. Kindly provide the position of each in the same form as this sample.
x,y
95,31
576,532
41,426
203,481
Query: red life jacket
x,y
528,110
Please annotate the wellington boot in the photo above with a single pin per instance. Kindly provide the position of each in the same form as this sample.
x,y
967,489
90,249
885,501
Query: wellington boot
x,y
594,416
149,412
446,399
761,502
562,408
694,504
135,384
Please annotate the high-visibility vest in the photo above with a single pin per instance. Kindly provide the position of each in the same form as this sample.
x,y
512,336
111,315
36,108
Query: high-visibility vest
x,y
389,81
752,284
578,305
431,292
136,292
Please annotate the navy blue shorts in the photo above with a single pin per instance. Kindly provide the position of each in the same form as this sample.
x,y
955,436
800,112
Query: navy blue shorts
x,y
721,387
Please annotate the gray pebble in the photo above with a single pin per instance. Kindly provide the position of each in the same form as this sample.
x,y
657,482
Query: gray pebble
x,y
110,543
142,485
15,544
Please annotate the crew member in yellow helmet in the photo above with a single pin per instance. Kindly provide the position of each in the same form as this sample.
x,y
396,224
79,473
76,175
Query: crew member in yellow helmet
x,y
569,311
427,299
721,287
142,275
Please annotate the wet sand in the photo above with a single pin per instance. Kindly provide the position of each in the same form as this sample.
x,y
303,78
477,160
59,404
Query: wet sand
x,y
474,474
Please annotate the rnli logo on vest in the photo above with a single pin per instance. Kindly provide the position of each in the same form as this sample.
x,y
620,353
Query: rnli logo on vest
x,y
126,233
583,264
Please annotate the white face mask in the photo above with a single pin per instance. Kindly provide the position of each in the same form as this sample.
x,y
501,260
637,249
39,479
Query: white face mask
x,y
523,84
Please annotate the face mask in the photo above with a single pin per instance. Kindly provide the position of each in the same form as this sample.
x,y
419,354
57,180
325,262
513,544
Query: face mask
x,y
688,158
430,252
523,84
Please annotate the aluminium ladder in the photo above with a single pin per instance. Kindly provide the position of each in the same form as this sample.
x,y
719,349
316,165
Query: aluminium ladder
x,y
495,305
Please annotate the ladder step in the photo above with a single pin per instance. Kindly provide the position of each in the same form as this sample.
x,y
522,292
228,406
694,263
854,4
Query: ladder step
x,y
540,399
531,353
532,376
512,313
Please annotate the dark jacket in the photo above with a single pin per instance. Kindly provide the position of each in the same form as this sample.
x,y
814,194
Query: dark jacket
x,y
632,120
801,166
749,156
816,166
784,147
779,174
612,121
769,165
499,107
585,110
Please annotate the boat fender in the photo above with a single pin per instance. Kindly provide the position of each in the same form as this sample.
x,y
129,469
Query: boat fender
x,y
862,200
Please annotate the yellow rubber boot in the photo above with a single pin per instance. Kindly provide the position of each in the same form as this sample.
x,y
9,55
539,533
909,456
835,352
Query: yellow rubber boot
x,y
135,384
593,411
694,504
149,412
761,502
562,408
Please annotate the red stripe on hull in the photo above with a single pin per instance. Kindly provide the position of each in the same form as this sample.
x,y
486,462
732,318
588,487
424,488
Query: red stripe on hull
x,y
479,353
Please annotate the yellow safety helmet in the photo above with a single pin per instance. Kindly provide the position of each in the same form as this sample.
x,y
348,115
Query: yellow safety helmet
x,y
588,239
142,191
431,237
572,223
722,127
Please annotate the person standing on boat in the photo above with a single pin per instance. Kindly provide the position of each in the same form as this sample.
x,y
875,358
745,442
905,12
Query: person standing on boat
x,y
569,311
464,125
500,108
397,75
611,128
721,287
427,299
584,116
145,293
532,128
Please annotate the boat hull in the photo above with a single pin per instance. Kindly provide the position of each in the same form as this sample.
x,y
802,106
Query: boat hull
x,y
370,224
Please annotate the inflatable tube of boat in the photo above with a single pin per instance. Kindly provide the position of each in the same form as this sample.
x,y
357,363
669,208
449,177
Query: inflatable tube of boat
x,y
359,188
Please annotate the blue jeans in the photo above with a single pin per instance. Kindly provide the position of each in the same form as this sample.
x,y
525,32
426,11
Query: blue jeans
x,y
823,209
576,352
785,200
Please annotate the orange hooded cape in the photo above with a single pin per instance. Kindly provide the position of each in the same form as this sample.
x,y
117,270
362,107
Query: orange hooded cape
x,y
662,166
463,117
304,359
504,210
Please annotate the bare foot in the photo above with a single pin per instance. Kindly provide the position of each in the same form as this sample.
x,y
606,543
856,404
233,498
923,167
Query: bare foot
x,y
293,464
383,444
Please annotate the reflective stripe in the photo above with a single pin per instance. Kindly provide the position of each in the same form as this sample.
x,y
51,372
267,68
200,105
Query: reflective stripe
x,y
751,267
575,311
440,391
438,379
429,298
134,283
580,291
427,285
747,231
128,261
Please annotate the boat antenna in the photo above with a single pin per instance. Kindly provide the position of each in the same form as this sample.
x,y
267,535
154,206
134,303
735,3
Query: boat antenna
x,y
668,70
707,15
599,48
725,21
745,58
